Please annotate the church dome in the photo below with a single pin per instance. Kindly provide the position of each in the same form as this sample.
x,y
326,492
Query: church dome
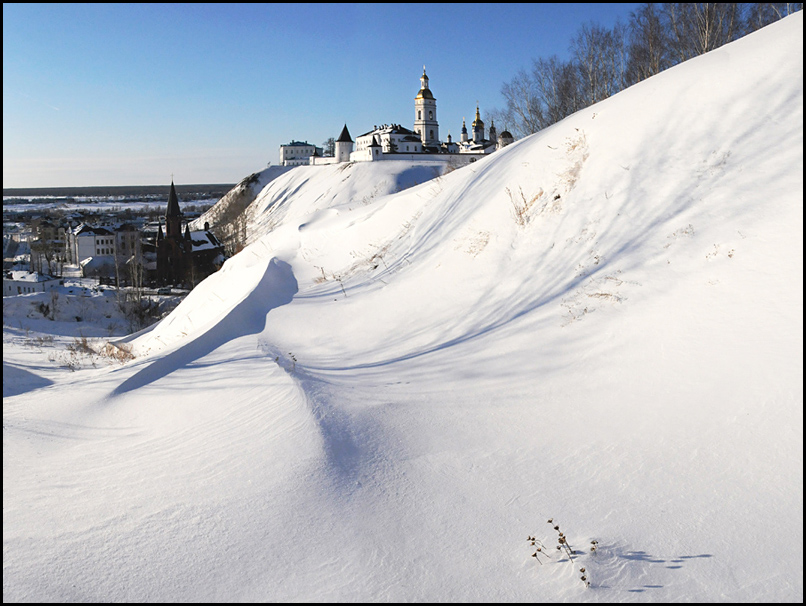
x,y
478,121
424,94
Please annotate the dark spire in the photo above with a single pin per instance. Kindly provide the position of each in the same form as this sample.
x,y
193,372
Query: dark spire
x,y
344,136
187,231
159,231
173,203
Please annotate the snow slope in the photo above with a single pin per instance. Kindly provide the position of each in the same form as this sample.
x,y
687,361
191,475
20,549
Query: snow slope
x,y
239,197
384,394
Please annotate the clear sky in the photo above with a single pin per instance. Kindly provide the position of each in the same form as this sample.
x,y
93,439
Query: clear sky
x,y
130,94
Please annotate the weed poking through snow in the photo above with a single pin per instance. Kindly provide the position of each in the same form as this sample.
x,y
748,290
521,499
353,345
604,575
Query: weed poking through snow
x,y
539,548
562,546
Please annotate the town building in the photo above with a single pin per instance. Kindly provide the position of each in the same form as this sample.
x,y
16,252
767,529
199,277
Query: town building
x,y
87,241
24,282
103,251
298,153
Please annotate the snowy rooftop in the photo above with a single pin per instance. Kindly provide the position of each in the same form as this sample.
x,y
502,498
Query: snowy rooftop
x,y
204,240
27,276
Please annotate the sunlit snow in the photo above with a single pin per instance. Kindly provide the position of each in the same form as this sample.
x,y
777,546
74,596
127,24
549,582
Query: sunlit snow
x,y
404,376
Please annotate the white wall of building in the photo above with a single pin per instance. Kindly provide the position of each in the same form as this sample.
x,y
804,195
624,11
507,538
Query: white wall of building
x,y
297,153
88,244
25,282
457,160
317,161
343,151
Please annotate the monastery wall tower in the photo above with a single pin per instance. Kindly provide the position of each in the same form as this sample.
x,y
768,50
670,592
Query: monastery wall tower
x,y
344,146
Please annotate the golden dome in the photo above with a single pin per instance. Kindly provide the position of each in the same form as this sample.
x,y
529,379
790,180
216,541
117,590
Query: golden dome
x,y
478,121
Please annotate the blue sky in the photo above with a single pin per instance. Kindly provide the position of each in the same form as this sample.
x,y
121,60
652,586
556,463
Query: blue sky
x,y
130,94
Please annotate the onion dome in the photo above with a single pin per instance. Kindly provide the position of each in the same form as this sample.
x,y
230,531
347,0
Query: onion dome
x,y
477,121
424,93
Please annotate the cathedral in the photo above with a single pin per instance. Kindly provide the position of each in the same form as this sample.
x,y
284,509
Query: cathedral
x,y
421,142
185,258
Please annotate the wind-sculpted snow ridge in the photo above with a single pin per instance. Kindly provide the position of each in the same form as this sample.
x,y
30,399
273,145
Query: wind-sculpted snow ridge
x,y
212,320
389,389
239,296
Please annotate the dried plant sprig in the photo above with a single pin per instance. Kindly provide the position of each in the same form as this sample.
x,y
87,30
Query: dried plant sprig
x,y
562,545
539,548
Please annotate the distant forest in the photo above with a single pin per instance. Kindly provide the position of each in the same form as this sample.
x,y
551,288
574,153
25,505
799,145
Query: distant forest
x,y
201,191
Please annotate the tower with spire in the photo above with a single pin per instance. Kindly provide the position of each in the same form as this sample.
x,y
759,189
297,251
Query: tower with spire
x,y
478,127
173,215
173,250
425,114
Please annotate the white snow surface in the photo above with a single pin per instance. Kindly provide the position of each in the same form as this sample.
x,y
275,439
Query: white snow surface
x,y
384,394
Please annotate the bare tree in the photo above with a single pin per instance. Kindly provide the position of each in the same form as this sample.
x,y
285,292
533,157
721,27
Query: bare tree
x,y
699,27
649,44
46,248
558,88
760,14
600,57
330,147
523,112
619,56
138,310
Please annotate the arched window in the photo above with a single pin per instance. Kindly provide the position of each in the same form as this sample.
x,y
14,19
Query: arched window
x,y
419,115
431,134
430,115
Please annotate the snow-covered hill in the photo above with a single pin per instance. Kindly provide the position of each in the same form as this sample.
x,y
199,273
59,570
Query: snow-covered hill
x,y
385,394
239,197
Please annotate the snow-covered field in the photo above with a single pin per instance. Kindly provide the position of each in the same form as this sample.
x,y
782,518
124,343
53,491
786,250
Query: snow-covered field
x,y
385,394
106,205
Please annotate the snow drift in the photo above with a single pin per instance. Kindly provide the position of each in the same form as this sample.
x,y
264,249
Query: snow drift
x,y
385,393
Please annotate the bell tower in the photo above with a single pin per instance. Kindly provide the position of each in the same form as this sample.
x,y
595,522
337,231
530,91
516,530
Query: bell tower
x,y
478,127
425,114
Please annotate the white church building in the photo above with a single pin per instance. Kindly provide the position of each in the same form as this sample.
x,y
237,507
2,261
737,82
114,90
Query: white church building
x,y
422,143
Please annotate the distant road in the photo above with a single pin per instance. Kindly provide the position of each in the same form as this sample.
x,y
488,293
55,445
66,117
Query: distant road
x,y
211,190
